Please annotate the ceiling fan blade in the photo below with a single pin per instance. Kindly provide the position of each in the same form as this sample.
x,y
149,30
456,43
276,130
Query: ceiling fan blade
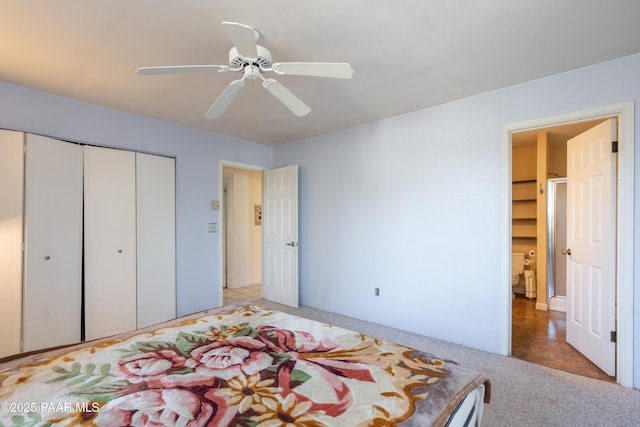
x,y
285,96
149,71
243,37
336,70
224,100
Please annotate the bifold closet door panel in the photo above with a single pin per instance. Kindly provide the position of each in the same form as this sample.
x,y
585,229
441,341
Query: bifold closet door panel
x,y
156,242
53,243
109,241
11,203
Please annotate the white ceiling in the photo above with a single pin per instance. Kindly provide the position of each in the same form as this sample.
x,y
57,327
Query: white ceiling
x,y
406,55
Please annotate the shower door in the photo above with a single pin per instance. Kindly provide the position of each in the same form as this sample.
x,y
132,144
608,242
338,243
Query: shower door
x,y
557,242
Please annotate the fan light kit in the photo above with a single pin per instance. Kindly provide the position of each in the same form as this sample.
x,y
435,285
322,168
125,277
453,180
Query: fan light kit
x,y
253,60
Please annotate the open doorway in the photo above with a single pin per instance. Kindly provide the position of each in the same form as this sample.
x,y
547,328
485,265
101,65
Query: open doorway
x,y
539,175
241,235
623,327
276,222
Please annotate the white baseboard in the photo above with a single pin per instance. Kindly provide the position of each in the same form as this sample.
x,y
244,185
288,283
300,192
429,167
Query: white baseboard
x,y
558,304
541,306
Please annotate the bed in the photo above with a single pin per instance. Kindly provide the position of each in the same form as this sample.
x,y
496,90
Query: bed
x,y
239,366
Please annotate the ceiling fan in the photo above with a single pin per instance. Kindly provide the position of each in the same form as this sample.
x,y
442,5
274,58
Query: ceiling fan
x,y
252,60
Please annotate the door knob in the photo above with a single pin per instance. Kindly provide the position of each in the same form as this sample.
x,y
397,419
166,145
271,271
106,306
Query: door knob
x,y
292,244
47,257
566,252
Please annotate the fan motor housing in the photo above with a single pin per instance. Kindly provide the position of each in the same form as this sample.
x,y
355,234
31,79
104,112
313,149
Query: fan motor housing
x,y
237,61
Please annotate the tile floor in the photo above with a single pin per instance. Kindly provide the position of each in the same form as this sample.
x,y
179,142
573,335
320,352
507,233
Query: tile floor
x,y
540,337
242,295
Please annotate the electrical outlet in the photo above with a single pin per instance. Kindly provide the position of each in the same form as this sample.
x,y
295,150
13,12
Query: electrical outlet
x,y
213,227
377,292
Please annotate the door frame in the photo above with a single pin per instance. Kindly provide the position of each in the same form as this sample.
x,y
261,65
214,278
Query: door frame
x,y
226,200
222,226
624,271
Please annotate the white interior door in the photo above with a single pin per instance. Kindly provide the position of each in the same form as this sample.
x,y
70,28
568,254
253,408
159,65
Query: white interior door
x,y
53,243
110,241
156,239
591,232
280,235
11,203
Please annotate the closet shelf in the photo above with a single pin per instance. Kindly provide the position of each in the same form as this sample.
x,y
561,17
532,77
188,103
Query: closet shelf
x,y
524,207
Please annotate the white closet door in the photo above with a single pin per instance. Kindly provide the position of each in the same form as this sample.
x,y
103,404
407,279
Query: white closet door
x,y
155,182
11,202
53,249
110,242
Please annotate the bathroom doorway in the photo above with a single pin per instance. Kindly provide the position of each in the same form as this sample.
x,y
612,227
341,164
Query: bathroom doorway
x,y
544,300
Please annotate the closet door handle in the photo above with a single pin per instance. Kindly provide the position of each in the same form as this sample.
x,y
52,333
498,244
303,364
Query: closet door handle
x,y
119,251
566,252
47,257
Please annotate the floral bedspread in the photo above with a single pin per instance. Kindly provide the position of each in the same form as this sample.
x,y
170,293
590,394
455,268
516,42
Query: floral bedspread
x,y
240,366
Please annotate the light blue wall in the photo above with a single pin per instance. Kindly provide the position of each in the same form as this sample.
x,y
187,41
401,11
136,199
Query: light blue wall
x,y
411,204
197,155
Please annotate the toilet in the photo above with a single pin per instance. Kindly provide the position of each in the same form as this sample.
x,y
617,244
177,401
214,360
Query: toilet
x,y
517,268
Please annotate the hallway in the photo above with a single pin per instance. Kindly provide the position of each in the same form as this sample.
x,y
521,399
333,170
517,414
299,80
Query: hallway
x,y
540,337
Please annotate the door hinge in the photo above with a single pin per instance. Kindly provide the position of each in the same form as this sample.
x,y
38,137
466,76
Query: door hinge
x,y
614,336
614,146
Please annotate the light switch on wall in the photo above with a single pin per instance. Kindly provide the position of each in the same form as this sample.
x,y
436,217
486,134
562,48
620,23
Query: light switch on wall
x,y
215,205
